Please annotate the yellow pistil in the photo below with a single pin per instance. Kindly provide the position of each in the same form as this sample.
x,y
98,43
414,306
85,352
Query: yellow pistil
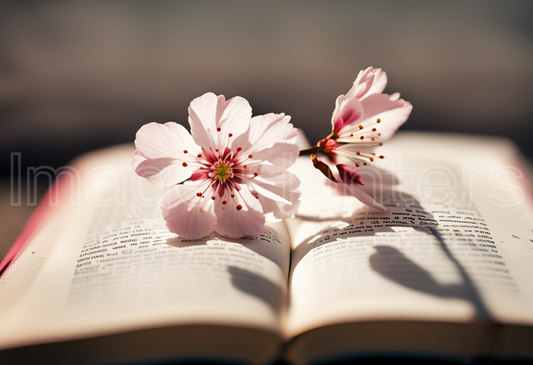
x,y
223,172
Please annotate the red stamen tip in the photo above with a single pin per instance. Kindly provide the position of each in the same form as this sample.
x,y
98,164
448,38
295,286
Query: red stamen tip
x,y
239,207
184,164
199,194
185,151
218,129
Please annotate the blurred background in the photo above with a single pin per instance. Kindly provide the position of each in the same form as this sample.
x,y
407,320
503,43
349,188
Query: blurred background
x,y
75,76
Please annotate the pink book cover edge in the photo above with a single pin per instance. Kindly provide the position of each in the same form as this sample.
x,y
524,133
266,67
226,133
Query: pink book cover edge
x,y
35,221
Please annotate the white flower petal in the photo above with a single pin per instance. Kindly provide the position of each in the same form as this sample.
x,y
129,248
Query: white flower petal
x,y
347,113
165,171
137,158
392,113
280,154
202,119
186,214
278,191
169,140
213,119
266,130
351,179
236,223
365,198
234,121
165,153
370,81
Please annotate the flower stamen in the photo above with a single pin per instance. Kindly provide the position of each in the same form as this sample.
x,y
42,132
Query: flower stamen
x,y
222,171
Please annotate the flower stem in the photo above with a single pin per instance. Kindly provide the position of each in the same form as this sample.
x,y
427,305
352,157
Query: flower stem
x,y
312,150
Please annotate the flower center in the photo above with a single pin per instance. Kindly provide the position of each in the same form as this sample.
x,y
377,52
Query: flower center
x,y
223,172
326,145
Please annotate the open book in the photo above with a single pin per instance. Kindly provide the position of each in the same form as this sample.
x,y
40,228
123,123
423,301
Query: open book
x,y
447,272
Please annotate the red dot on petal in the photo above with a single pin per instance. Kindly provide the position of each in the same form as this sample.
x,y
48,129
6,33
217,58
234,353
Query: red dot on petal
x,y
250,156
255,174
184,164
244,167
233,195
239,149
218,129
239,207
230,135
224,202
212,198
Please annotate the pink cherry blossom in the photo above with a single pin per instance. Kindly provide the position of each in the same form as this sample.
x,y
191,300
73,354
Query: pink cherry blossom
x,y
362,120
234,168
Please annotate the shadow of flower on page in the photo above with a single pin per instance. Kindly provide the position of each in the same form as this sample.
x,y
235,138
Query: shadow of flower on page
x,y
402,270
257,286
392,264
241,262
405,214
267,245
181,242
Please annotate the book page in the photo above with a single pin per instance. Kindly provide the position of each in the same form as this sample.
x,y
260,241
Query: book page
x,y
115,267
455,245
